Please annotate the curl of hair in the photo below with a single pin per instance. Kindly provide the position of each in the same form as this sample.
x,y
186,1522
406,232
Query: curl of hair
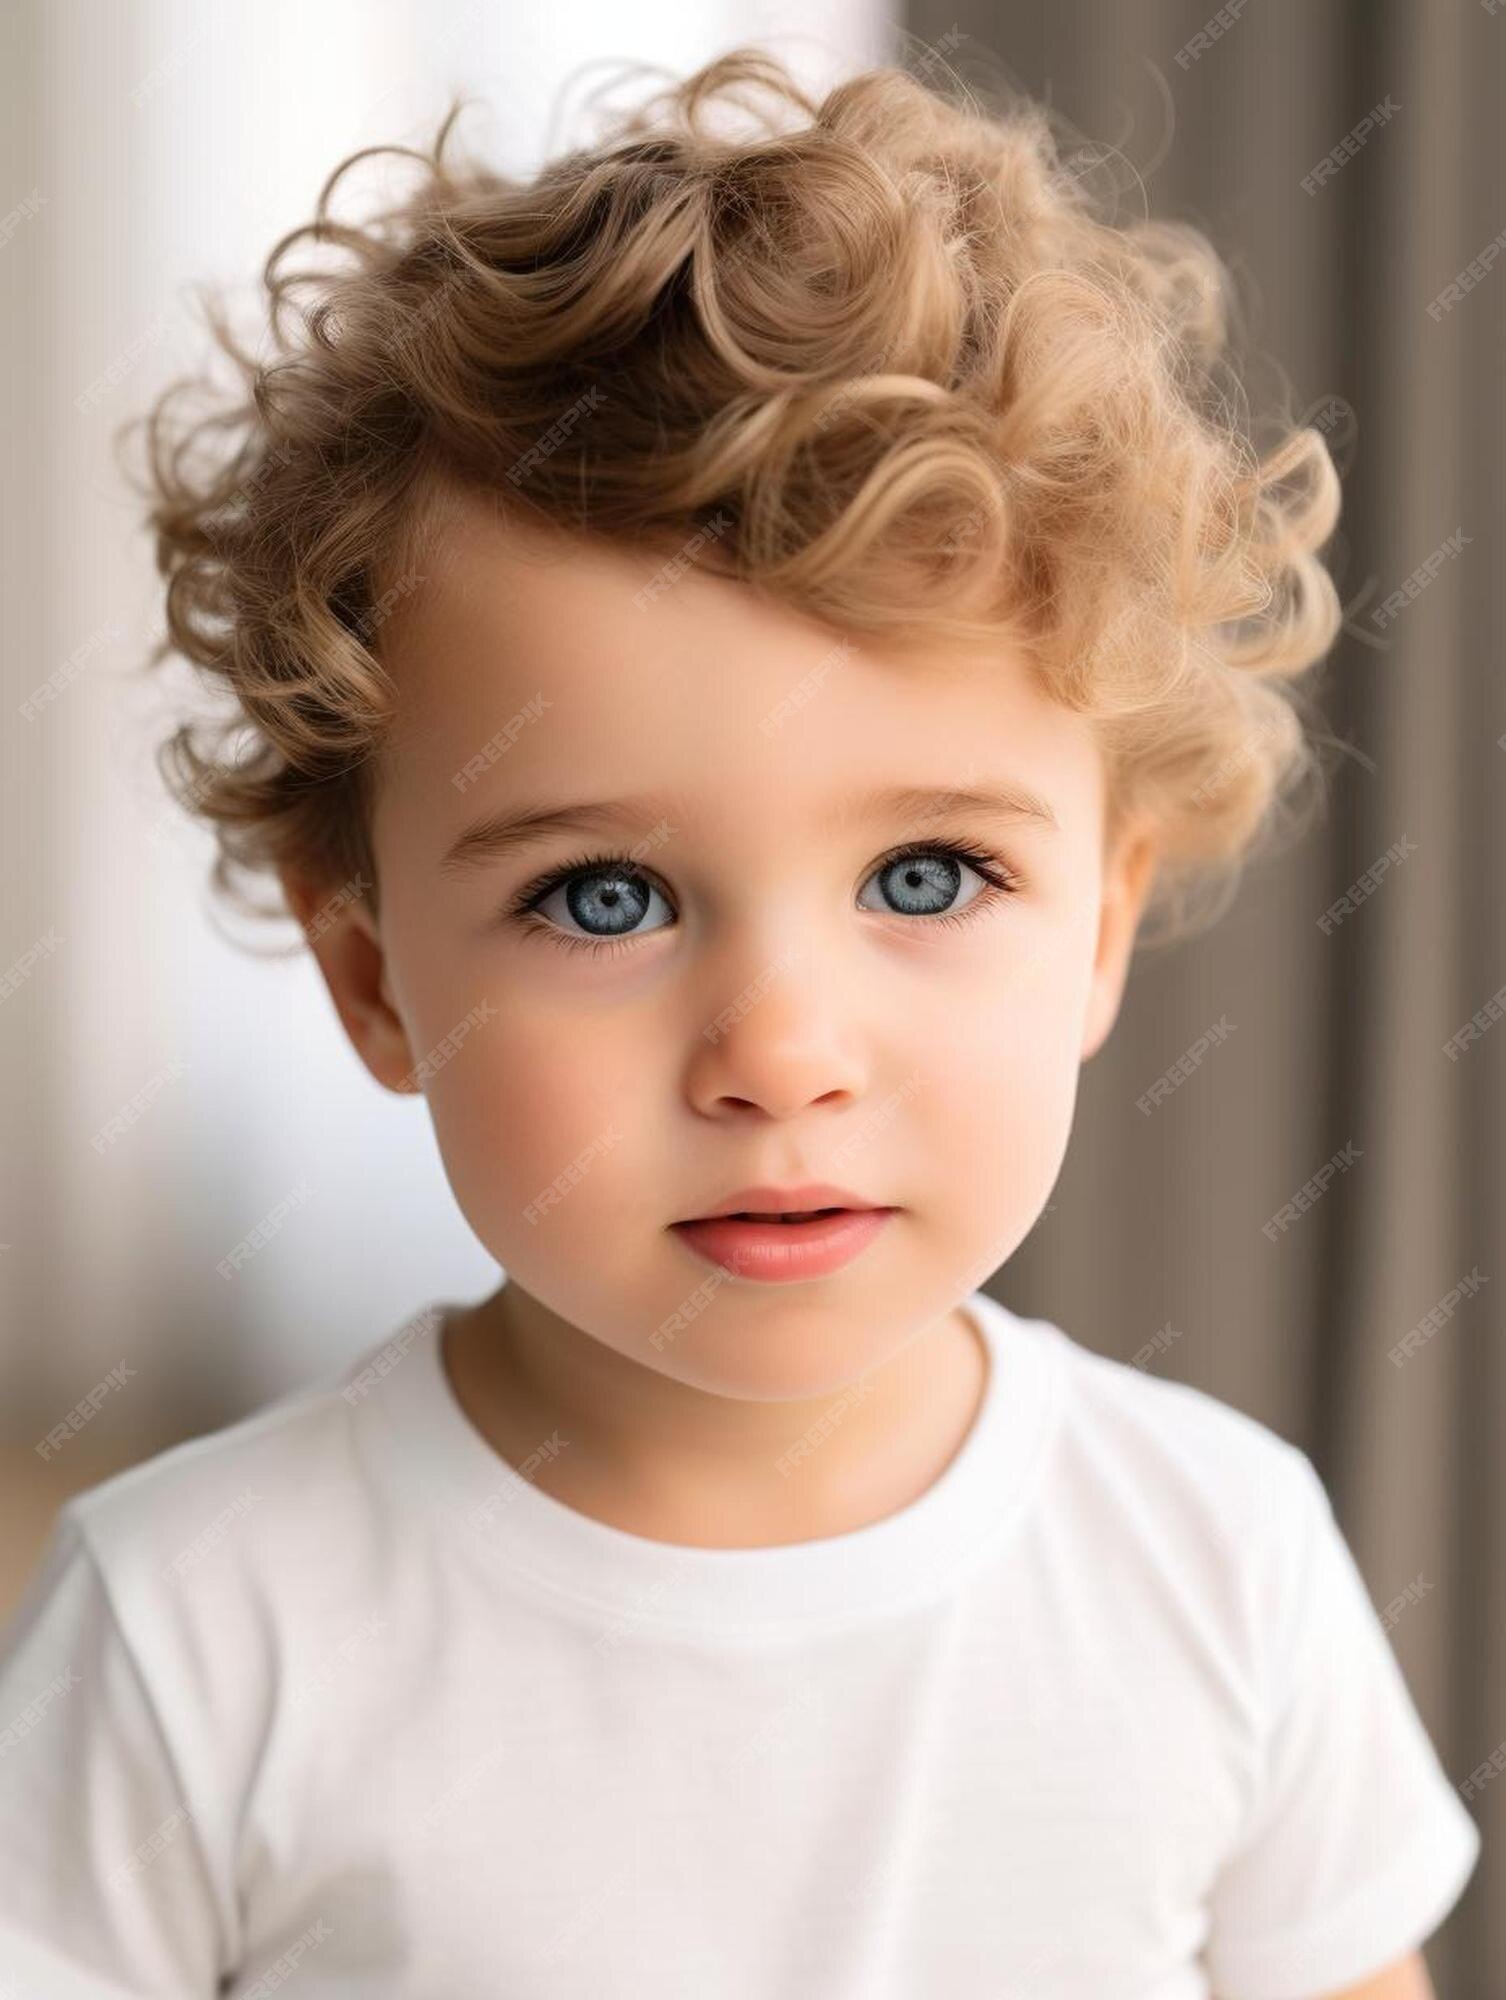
x,y
889,350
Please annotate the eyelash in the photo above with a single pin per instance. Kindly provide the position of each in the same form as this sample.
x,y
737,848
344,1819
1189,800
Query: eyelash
x,y
522,909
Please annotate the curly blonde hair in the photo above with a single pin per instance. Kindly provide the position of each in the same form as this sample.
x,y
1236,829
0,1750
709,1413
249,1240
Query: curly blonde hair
x,y
920,379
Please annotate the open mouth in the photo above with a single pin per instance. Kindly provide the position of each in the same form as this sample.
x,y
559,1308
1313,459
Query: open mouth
x,y
787,1243
790,1215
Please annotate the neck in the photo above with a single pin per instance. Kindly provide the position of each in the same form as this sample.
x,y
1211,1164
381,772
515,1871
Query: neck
x,y
659,1458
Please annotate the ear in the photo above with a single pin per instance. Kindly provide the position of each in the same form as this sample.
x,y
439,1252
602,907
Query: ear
x,y
1128,875
347,945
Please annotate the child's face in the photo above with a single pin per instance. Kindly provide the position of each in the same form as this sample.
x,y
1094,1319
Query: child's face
x,y
771,1015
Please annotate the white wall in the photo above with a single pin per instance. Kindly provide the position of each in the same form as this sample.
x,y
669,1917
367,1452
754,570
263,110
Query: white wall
x,y
148,148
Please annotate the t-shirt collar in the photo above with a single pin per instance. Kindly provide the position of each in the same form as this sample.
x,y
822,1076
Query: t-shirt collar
x,y
453,1479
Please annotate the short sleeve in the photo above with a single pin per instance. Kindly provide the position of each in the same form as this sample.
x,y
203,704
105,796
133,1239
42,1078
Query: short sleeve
x,y
103,1887
1357,1845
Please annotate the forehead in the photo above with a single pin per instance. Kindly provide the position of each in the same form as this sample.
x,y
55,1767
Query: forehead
x,y
530,662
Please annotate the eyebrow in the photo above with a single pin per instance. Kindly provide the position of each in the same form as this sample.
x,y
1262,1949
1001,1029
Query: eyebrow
x,y
501,833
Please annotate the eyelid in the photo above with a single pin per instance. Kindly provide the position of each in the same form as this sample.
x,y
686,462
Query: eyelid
x,y
976,854
541,885
999,872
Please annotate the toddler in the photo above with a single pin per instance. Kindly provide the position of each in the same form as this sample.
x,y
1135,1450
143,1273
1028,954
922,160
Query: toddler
x,y
724,646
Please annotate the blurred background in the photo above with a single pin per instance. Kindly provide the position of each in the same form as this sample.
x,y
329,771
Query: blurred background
x,y
1285,1185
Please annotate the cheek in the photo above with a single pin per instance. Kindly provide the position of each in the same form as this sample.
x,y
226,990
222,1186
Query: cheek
x,y
996,1094
998,1119
538,1130
554,1139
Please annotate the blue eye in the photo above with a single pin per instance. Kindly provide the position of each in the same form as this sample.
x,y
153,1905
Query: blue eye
x,y
923,883
607,898
609,895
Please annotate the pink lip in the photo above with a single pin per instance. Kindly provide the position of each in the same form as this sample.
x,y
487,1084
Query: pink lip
x,y
778,1252
776,1201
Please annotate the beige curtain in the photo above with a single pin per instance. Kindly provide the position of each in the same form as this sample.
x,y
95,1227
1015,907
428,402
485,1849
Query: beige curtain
x,y
1365,1324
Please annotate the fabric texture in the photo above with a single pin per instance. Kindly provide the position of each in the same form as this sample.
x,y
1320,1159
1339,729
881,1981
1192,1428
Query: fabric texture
x,y
337,1692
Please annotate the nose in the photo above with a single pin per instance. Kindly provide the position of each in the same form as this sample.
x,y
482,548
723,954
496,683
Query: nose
x,y
781,1042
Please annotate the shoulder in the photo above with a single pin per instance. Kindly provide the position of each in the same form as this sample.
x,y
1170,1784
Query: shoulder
x,y
1170,1426
1179,1478
176,1504
292,1477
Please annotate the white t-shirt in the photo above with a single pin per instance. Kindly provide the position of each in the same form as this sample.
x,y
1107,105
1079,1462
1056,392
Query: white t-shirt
x,y
336,1701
